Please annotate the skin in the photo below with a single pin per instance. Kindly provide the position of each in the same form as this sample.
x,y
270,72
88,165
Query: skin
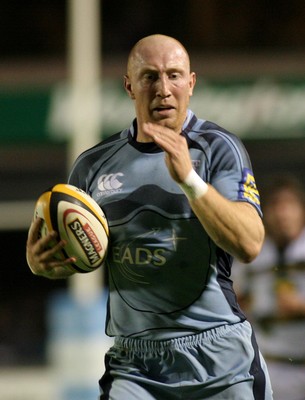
x,y
285,220
160,84
43,262
285,217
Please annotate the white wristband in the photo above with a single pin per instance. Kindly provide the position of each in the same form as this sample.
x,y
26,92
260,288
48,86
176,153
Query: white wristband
x,y
193,186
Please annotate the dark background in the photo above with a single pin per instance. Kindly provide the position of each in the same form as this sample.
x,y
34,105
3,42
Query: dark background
x,y
37,28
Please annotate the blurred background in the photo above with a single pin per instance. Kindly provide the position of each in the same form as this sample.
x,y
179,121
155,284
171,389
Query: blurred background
x,y
250,61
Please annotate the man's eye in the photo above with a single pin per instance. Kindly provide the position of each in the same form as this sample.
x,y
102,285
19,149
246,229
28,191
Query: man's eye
x,y
150,77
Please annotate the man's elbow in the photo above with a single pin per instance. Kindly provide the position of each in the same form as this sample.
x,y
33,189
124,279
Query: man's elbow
x,y
251,248
247,255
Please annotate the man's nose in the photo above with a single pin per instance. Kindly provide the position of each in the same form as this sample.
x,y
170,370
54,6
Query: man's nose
x,y
163,87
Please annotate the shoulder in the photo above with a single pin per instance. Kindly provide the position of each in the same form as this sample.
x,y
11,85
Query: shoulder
x,y
213,134
87,159
107,144
216,141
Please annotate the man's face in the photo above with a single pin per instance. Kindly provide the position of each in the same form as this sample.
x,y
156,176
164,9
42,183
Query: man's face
x,y
160,83
285,216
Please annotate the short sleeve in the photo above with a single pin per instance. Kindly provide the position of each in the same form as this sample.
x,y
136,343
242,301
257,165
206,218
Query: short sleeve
x,y
231,171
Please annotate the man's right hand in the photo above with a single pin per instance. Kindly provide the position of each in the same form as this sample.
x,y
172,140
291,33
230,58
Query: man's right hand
x,y
42,258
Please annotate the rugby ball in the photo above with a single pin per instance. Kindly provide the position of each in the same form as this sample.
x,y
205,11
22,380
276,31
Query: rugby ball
x,y
78,220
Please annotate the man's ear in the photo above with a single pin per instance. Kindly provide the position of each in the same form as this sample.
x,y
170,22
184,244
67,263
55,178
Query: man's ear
x,y
192,82
127,85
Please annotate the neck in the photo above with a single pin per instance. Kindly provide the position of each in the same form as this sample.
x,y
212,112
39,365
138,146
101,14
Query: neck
x,y
142,138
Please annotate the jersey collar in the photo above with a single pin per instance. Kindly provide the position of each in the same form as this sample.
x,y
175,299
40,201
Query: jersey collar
x,y
151,147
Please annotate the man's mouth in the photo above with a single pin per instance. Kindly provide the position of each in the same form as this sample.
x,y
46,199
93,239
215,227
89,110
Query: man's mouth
x,y
163,109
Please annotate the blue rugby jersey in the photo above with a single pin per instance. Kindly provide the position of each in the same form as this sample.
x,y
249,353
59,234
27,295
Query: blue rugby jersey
x,y
166,276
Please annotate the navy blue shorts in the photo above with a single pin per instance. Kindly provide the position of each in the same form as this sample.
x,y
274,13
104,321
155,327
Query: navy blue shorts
x,y
222,363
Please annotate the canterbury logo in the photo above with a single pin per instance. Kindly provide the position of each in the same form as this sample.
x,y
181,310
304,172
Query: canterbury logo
x,y
110,182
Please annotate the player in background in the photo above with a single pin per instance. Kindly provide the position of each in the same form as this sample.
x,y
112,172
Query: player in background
x,y
181,201
272,288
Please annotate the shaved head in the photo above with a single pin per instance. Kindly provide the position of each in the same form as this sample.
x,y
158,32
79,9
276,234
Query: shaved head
x,y
152,43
